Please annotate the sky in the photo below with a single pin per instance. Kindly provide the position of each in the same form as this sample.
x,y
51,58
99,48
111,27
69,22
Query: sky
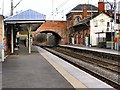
x,y
60,7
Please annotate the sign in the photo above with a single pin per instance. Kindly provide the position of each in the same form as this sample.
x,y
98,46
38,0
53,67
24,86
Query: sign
x,y
116,26
24,32
118,33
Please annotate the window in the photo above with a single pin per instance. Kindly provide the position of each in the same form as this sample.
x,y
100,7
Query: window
x,y
95,23
117,17
77,19
108,24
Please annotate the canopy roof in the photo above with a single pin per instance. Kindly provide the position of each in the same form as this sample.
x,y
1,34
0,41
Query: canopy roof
x,y
28,16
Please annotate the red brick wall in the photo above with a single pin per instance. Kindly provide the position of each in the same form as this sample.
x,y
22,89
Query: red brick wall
x,y
80,36
59,27
71,18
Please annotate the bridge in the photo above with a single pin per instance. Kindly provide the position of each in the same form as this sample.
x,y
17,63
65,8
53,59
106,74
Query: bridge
x,y
57,28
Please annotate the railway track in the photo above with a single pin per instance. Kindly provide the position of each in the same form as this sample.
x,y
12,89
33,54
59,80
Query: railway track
x,y
106,66
113,67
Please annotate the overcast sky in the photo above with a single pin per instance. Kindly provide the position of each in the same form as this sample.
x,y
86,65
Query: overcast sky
x,y
46,6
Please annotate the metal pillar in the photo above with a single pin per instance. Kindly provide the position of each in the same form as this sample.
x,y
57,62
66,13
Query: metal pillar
x,y
29,40
115,35
12,42
3,40
11,7
115,6
112,35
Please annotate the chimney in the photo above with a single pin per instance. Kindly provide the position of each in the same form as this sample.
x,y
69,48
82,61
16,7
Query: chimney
x,y
84,11
101,6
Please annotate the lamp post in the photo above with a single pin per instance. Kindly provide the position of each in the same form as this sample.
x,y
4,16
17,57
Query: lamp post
x,y
115,35
11,8
111,34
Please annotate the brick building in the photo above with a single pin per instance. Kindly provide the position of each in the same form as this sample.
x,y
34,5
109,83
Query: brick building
x,y
78,22
79,25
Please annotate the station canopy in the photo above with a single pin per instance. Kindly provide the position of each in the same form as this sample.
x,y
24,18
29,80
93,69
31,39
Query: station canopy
x,y
28,17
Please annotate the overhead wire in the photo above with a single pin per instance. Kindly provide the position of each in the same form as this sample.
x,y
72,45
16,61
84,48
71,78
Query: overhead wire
x,y
74,4
65,9
56,10
17,4
61,5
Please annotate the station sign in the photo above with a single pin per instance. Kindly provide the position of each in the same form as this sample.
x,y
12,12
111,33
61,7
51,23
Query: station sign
x,y
24,32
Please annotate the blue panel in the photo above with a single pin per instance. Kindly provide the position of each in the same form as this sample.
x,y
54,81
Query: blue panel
x,y
27,15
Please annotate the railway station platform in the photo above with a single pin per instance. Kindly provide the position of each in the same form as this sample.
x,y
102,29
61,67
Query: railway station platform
x,y
22,70
96,49
41,69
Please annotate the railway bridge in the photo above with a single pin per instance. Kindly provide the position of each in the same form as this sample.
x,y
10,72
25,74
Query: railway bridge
x,y
66,66
58,30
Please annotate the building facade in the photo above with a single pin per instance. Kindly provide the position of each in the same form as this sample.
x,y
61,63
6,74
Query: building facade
x,y
4,39
101,28
92,26
77,22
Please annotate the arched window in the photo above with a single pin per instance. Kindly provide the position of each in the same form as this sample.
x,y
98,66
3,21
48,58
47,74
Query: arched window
x,y
77,19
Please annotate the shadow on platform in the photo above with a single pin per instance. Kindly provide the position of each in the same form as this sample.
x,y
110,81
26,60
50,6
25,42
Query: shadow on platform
x,y
22,50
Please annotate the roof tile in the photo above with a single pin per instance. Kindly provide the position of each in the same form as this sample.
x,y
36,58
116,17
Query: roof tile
x,y
27,15
88,7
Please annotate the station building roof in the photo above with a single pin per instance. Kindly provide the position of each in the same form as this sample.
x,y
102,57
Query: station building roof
x,y
28,16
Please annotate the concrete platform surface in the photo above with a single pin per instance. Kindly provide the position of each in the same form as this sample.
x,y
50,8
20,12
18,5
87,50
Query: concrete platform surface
x,y
31,71
86,79
42,69
109,51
